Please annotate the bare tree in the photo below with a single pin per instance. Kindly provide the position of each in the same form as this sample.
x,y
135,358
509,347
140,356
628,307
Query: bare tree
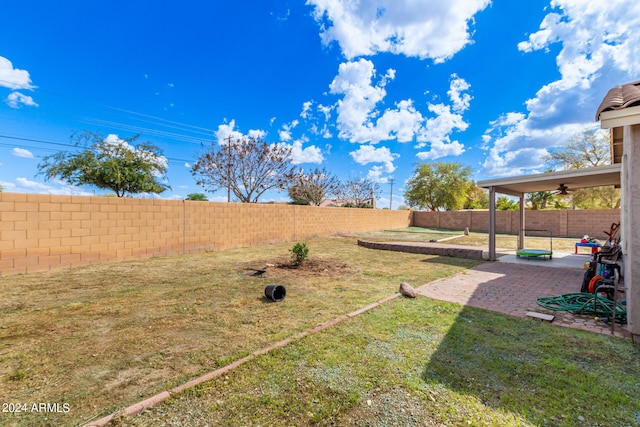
x,y
586,149
314,187
359,192
246,167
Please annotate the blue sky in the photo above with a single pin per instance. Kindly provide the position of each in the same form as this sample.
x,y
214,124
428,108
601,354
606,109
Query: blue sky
x,y
365,88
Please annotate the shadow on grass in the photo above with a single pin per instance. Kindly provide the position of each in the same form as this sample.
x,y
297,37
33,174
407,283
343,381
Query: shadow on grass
x,y
448,260
544,374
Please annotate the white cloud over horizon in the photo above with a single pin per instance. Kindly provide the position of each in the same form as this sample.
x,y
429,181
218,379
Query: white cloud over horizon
x,y
435,30
599,49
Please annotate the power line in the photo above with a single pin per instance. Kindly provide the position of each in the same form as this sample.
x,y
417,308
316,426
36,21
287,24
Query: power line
x,y
40,141
136,116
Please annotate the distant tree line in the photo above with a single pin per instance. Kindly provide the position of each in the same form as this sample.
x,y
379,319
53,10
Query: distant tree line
x,y
248,167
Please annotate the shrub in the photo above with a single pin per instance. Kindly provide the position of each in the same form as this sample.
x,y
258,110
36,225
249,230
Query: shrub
x,y
299,254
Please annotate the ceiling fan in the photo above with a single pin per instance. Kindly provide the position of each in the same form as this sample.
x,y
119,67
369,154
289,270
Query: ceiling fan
x,y
562,190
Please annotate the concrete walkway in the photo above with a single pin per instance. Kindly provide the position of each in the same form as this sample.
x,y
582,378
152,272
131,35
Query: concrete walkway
x,y
513,287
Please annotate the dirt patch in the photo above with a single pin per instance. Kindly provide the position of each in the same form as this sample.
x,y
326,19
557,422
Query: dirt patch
x,y
282,267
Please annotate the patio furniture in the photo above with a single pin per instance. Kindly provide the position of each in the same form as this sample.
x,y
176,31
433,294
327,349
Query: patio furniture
x,y
594,246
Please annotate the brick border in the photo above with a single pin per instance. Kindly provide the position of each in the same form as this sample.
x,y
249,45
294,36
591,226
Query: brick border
x,y
138,407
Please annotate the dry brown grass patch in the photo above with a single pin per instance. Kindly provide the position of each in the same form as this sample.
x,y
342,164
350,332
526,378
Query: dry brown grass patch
x,y
105,336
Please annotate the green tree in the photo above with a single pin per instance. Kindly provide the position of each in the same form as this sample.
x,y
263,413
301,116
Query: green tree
x,y
109,163
588,148
246,167
505,203
477,199
199,197
314,187
438,186
540,199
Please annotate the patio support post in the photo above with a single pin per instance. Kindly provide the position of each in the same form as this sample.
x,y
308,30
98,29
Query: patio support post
x,y
522,227
492,223
631,227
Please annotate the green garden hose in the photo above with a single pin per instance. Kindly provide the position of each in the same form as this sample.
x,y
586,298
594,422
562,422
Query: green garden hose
x,y
585,303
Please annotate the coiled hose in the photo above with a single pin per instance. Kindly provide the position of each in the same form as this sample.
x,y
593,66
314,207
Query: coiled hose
x,y
585,303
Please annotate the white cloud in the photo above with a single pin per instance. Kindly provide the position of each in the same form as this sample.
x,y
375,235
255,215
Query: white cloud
x,y
115,141
285,132
442,149
369,154
461,101
284,135
226,131
375,174
17,100
360,96
257,134
21,152
366,154
24,185
326,110
306,108
437,130
434,29
13,78
187,165
600,48
311,154
358,119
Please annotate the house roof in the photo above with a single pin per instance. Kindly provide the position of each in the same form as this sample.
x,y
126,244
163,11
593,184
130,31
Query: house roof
x,y
573,179
619,97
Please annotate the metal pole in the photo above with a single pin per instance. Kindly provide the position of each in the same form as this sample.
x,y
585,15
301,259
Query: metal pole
x,y
391,193
492,224
229,169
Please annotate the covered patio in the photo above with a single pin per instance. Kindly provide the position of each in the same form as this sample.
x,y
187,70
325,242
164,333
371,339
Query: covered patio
x,y
520,185
619,112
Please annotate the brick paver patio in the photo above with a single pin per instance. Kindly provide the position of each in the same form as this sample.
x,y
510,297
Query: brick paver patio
x,y
513,288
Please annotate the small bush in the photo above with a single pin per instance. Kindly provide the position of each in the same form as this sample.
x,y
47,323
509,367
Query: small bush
x,y
299,254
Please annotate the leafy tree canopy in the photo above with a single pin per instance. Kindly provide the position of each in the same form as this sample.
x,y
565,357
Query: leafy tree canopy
x,y
109,162
247,167
477,199
197,197
504,203
588,148
540,199
314,187
438,186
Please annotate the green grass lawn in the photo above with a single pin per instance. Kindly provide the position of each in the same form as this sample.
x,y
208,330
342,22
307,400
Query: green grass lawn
x,y
102,337
421,362
503,241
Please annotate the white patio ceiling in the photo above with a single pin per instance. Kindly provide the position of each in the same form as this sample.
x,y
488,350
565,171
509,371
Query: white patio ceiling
x,y
573,179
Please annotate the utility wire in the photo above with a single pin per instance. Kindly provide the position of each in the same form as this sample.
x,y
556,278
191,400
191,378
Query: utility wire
x,y
40,141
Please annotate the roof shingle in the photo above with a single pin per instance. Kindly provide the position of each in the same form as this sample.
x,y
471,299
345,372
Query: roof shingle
x,y
619,97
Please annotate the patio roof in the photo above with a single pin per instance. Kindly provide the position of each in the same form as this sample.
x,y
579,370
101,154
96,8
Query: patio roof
x,y
573,179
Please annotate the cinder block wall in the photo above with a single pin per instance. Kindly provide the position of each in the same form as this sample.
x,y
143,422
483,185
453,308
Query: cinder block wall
x,y
562,223
45,232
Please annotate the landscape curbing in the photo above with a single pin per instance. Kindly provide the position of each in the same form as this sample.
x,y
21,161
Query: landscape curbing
x,y
138,407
